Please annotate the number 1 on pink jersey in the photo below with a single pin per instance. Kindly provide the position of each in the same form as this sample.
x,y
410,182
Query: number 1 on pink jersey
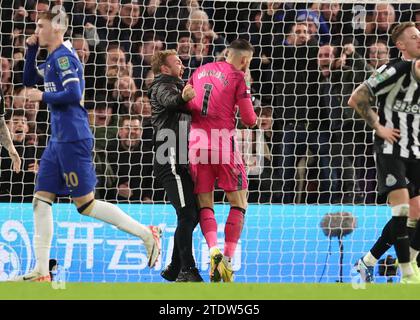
x,y
208,88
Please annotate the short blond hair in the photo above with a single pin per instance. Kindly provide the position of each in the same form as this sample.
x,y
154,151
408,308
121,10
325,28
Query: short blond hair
x,y
399,30
54,16
159,59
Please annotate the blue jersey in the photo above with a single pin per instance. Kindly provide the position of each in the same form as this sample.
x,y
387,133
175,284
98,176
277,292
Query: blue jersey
x,y
62,75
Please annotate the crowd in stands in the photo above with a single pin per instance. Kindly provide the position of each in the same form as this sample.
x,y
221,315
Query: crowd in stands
x,y
309,58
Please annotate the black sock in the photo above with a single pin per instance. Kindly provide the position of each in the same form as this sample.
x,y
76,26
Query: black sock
x,y
415,238
402,243
183,235
385,241
411,227
176,260
411,232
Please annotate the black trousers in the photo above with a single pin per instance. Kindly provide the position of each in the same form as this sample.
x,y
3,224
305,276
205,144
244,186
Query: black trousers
x,y
177,182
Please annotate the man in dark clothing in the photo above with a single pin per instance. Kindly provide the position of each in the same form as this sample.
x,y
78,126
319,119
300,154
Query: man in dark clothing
x,y
336,84
148,44
170,121
18,186
6,141
185,47
297,113
131,161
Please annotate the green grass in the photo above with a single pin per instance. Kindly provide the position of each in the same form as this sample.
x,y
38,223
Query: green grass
x,y
206,291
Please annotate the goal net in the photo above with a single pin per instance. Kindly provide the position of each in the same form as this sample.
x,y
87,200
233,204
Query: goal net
x,y
310,165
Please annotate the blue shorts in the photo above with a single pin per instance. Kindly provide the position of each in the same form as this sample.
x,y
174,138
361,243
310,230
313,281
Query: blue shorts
x,y
66,168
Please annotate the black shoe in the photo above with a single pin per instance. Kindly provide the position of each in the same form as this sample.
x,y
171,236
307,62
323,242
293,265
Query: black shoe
x,y
190,274
170,273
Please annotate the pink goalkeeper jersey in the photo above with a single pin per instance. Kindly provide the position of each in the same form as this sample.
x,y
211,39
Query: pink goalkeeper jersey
x,y
219,88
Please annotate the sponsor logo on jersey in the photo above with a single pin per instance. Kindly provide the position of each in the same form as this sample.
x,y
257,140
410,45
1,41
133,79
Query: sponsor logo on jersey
x,y
64,73
64,63
50,87
380,77
403,106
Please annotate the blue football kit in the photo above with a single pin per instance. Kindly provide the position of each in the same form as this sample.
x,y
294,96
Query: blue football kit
x,y
66,166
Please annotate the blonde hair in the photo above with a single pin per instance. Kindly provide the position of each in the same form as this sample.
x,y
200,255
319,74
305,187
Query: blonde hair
x,y
58,18
399,30
159,59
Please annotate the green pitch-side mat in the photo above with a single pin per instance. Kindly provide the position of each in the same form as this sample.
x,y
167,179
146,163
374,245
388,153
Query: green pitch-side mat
x,y
206,291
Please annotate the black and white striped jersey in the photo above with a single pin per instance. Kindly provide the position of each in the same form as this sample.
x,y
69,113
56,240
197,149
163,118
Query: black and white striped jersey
x,y
398,100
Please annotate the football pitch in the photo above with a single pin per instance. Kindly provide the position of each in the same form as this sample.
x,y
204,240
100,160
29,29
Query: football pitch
x,y
206,291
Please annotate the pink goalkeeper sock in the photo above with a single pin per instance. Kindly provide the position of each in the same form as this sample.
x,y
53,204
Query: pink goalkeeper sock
x,y
208,226
233,229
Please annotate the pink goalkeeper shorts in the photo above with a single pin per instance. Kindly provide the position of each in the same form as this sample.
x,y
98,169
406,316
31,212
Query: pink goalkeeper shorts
x,y
208,166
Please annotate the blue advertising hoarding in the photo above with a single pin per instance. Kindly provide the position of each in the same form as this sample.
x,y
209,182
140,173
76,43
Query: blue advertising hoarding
x,y
278,243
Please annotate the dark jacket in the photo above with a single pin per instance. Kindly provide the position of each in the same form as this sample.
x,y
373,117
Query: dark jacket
x,y
133,167
168,109
335,92
17,187
296,77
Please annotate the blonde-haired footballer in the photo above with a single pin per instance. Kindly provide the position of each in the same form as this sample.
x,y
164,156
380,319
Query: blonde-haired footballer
x,y
397,149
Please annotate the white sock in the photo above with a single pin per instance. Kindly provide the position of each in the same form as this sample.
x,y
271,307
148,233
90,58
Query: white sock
x,y
412,223
413,254
43,232
406,269
369,260
400,210
112,214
